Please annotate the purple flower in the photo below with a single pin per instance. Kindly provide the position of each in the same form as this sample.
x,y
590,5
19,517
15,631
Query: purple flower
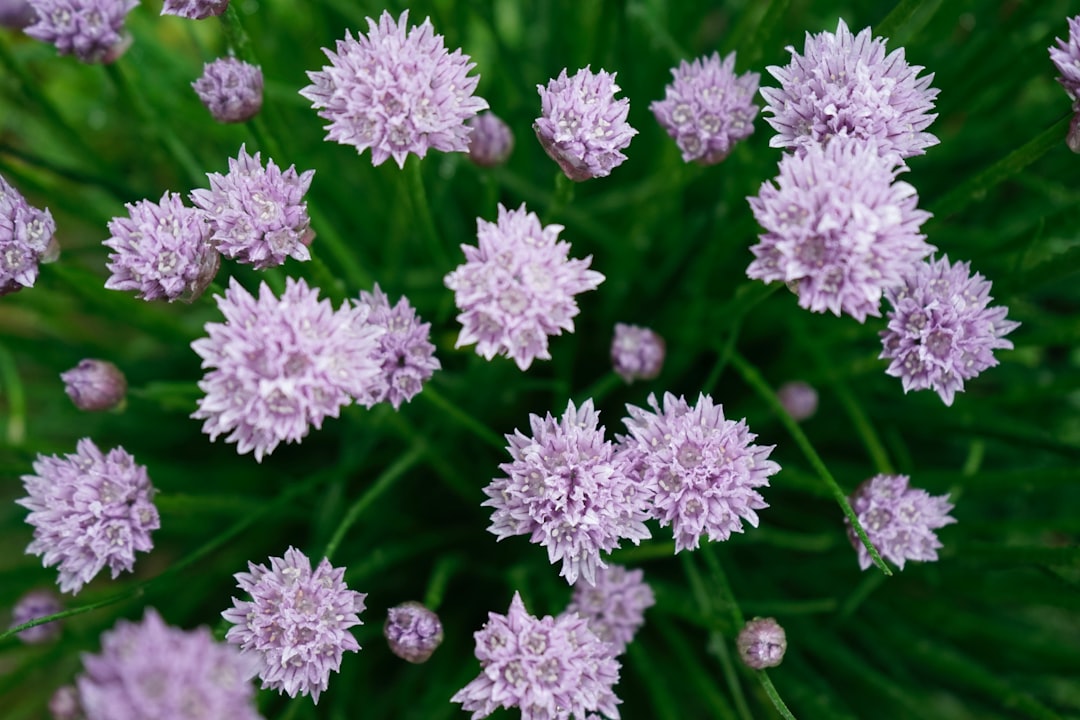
x,y
258,215
845,85
490,142
899,520
153,671
412,631
615,606
31,606
699,468
582,126
95,385
92,30
405,354
278,367
396,93
195,9
231,89
26,240
548,668
838,228
637,353
296,623
89,510
568,490
762,643
1066,58
517,287
16,14
708,108
64,704
941,331
799,399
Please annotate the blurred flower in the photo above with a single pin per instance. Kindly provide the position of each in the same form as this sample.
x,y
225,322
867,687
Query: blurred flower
x,y
258,215
231,89
700,468
899,520
838,228
1066,58
707,108
405,354
95,385
31,606
153,671
396,93
297,622
64,704
762,643
195,9
548,668
412,631
89,510
26,240
615,606
277,367
91,30
517,287
637,353
16,14
845,85
568,491
582,126
491,141
799,399
941,331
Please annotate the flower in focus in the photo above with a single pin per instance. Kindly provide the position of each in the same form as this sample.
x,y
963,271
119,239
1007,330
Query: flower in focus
x,y
89,510
548,668
845,85
838,228
615,606
412,631
700,469
194,9
707,108
637,353
95,385
231,89
277,367
517,287
405,354
799,399
26,240
396,93
899,520
582,126
940,330
1066,58
31,606
296,623
762,643
91,30
491,141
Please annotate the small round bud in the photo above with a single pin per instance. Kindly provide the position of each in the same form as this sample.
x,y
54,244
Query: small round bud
x,y
33,605
64,704
412,631
95,385
762,643
490,142
16,14
799,399
637,353
231,89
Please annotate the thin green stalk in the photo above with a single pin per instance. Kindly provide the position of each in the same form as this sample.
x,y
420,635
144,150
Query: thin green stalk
x,y
327,236
901,13
470,423
440,578
723,358
601,388
562,197
414,177
774,696
16,398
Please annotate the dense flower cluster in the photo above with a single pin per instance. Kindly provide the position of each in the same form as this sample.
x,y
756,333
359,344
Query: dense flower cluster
x,y
405,354
412,631
491,141
194,9
899,520
31,606
91,30
615,606
762,643
231,89
95,385
1066,58
637,353
799,399
26,240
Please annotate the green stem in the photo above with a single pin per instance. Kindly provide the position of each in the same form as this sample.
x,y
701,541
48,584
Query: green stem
x,y
440,578
476,427
414,177
901,13
724,358
600,389
777,701
564,194
16,399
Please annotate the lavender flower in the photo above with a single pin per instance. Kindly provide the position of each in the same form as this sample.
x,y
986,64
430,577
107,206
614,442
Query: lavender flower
x,y
89,510
412,631
396,93
708,108
615,607
699,468
296,623
258,215
845,85
16,14
548,668
231,89
31,606
1066,58
195,9
899,520
95,385
26,240
405,354
637,353
568,491
799,399
162,250
762,643
278,367
64,704
490,142
152,671
582,126
838,229
941,331
517,287
91,30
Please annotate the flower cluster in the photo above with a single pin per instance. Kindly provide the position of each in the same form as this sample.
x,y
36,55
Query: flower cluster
x,y
412,631
762,643
31,606
405,354
194,9
1066,58
26,240
637,353
899,520
91,30
614,607
95,385
231,89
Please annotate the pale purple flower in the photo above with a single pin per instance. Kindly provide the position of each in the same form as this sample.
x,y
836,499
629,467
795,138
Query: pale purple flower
x,y
194,9
297,622
279,366
26,240
91,30
582,126
490,142
615,606
637,353
799,399
412,631
548,668
839,228
95,385
16,14
31,606
258,215
699,468
569,491
762,643
153,671
64,704
517,287
1066,58
231,89
845,85
899,520
89,510
162,250
396,92
708,108
941,331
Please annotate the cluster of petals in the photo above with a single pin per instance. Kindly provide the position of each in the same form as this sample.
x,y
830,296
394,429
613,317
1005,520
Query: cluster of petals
x,y
898,519
614,606
91,30
194,9
762,643
412,631
637,353
31,606
231,89
405,354
26,240
1066,58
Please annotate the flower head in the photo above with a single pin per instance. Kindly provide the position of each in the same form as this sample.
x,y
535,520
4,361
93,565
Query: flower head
x,y
296,623
26,240
412,631
405,355
799,399
231,89
31,606
838,228
708,108
491,141
899,520
153,671
762,643
396,92
941,331
89,510
637,353
91,30
194,9
1066,58
845,85
615,606
548,668
517,287
279,366
582,126
700,468
95,385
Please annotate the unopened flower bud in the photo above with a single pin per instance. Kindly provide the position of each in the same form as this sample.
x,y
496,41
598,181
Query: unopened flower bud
x,y
231,89
31,606
491,141
64,704
95,385
799,399
762,643
637,353
412,631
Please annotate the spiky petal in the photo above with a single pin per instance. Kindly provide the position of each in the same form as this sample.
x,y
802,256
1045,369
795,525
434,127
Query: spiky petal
x,y
899,520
